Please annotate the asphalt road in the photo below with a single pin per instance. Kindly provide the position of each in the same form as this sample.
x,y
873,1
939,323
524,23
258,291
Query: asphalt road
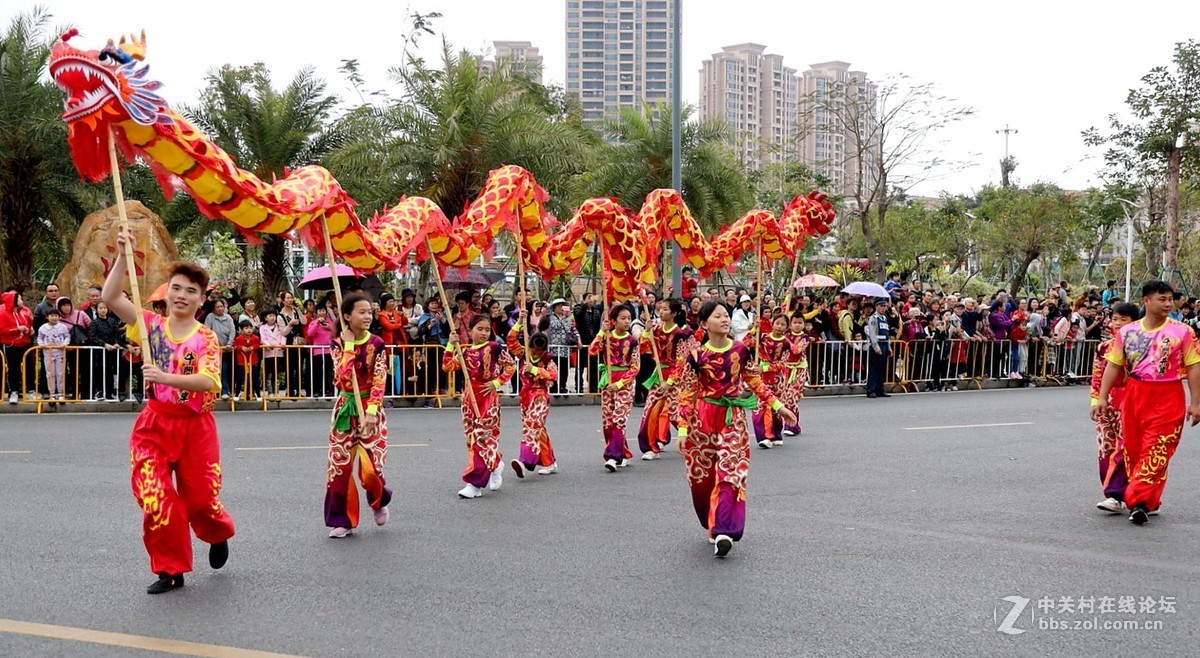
x,y
865,537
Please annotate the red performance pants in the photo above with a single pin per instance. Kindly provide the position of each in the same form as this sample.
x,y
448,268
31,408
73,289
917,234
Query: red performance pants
x,y
167,440
1151,424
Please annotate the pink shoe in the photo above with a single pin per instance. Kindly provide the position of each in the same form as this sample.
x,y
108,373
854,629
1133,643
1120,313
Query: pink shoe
x,y
381,516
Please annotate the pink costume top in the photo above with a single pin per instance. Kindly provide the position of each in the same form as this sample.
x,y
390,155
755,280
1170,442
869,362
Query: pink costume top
x,y
197,353
674,346
539,382
624,358
365,361
722,377
489,366
1160,354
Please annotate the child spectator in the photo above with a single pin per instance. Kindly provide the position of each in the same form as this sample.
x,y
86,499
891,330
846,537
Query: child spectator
x,y
54,336
273,341
245,348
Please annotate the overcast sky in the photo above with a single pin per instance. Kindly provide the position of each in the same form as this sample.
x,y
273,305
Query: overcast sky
x,y
1049,68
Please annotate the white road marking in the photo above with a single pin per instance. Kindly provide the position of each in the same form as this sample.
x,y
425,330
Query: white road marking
x,y
324,447
964,427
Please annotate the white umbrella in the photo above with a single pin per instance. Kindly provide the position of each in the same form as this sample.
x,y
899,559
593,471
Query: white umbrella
x,y
866,289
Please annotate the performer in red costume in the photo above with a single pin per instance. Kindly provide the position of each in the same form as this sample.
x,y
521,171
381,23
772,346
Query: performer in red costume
x,y
1108,427
618,377
537,373
357,356
174,452
714,441
489,367
670,342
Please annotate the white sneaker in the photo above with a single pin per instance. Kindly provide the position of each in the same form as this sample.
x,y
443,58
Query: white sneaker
x,y
548,470
611,465
339,533
1111,505
789,433
1155,512
470,491
711,540
382,515
12,398
623,463
518,468
649,456
777,442
496,479
224,396
723,545
764,444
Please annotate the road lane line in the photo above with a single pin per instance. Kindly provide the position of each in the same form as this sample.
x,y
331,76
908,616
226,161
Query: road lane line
x,y
324,447
964,427
16,452
177,647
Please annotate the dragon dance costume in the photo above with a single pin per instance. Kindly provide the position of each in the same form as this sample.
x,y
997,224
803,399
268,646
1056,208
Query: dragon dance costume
x,y
1154,405
365,361
536,449
489,367
793,378
1108,429
773,354
661,412
618,377
176,436
714,440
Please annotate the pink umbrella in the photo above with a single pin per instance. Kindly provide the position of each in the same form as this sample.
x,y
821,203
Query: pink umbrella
x,y
815,281
320,279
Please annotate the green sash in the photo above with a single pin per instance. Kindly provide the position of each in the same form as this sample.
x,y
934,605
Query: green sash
x,y
652,381
729,403
348,410
604,379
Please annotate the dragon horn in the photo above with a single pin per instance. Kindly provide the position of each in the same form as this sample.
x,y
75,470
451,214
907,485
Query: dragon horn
x,y
134,47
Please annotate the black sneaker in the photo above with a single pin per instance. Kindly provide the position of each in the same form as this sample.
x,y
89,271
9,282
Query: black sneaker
x,y
1138,516
723,545
165,583
871,395
884,395
218,554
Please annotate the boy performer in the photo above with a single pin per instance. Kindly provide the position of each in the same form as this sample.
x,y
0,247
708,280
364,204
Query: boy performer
x,y
1154,355
1108,426
175,436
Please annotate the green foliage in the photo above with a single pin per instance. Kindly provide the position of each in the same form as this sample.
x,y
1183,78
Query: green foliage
x,y
847,273
1020,225
42,199
637,161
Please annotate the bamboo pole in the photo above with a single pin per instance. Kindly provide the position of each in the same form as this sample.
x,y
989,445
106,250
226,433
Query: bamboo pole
x,y
607,309
130,265
331,257
787,300
761,291
653,342
468,392
524,295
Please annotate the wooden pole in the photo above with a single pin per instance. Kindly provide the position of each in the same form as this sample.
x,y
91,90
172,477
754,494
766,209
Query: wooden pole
x,y
787,302
130,266
761,291
524,296
607,308
653,342
331,258
468,392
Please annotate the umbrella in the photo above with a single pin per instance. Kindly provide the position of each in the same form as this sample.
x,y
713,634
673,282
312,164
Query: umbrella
x,y
815,281
320,279
159,294
474,277
866,289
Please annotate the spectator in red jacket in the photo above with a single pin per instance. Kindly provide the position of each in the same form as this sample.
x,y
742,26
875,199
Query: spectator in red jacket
x,y
16,333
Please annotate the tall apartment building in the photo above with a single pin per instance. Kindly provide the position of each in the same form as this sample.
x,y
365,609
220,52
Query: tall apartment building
x,y
521,55
758,97
826,139
619,54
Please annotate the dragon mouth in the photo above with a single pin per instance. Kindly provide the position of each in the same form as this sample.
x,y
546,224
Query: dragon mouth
x,y
87,84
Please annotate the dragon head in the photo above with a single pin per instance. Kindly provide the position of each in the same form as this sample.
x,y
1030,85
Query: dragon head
x,y
103,87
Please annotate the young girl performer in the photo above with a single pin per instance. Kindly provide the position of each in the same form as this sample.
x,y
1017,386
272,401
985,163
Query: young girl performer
x,y
795,374
173,449
537,373
362,356
714,442
1108,426
773,351
489,367
618,377
670,342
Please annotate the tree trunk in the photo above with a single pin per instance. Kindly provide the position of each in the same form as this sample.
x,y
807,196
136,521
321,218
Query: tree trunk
x,y
18,215
274,267
1096,252
1174,160
873,248
1018,277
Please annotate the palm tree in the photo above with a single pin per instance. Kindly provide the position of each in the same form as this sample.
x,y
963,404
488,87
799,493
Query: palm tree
x,y
453,125
637,161
267,131
41,197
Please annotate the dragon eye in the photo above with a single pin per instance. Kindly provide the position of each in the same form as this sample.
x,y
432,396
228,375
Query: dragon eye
x,y
113,56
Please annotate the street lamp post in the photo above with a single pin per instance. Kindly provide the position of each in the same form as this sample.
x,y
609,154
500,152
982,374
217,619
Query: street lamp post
x,y
1128,242
676,133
